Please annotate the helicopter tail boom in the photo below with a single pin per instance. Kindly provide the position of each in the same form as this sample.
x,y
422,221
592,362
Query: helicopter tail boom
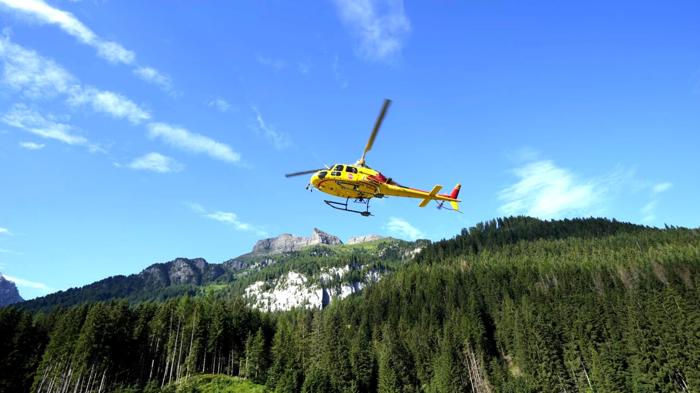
x,y
430,196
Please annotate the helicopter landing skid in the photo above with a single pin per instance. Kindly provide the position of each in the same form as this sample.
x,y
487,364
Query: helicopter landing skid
x,y
344,206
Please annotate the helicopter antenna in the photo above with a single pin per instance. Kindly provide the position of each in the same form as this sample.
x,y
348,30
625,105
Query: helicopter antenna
x,y
373,136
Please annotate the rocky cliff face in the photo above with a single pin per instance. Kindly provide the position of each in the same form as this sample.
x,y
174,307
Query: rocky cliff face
x,y
288,243
297,290
364,239
277,275
181,271
8,292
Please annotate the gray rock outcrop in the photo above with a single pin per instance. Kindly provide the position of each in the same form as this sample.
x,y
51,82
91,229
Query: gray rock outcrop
x,y
288,243
364,239
8,292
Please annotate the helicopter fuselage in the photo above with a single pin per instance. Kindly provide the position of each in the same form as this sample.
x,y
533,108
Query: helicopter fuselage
x,y
361,182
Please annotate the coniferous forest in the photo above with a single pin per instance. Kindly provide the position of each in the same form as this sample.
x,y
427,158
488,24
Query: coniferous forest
x,y
511,305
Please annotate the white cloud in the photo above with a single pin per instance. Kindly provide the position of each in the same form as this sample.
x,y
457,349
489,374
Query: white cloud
x,y
27,283
276,64
661,187
403,229
32,145
155,77
227,218
548,191
44,13
5,231
649,210
156,162
304,67
196,207
113,104
6,251
21,117
338,73
193,142
220,104
37,77
278,139
380,25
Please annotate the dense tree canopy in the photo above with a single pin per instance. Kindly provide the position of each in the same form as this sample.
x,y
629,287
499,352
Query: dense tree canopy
x,y
516,304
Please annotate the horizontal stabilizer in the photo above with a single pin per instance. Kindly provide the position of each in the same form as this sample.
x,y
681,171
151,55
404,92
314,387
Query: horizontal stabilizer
x,y
430,196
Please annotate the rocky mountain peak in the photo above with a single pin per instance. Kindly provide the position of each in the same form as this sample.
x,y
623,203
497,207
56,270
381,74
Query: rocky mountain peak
x,y
180,271
320,237
364,239
288,243
8,292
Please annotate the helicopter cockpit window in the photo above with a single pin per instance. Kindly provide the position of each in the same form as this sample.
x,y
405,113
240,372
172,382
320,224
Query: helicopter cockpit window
x,y
338,168
350,169
322,174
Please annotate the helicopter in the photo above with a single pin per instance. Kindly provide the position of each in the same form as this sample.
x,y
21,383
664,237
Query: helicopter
x,y
359,183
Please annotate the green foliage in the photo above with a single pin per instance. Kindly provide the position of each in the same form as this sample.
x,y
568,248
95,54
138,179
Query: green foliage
x,y
217,384
514,305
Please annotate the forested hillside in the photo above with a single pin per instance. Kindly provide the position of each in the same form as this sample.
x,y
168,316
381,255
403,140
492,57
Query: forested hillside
x,y
194,277
513,305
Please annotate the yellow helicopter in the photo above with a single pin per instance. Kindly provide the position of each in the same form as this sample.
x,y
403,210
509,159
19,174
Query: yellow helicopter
x,y
360,183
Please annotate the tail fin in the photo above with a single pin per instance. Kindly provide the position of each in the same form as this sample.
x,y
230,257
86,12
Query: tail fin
x,y
430,196
455,191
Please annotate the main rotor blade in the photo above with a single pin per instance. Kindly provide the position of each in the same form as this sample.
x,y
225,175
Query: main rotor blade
x,y
377,124
303,172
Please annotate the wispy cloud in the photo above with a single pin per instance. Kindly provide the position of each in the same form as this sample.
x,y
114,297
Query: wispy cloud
x,y
548,191
41,12
44,13
27,283
338,73
219,104
661,187
36,77
275,64
113,104
156,162
196,143
228,218
279,140
304,67
24,118
380,25
6,251
649,210
5,231
403,229
32,145
151,75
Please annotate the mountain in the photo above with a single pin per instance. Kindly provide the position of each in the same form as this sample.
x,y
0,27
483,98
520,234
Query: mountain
x,y
364,239
279,273
8,292
289,243
510,305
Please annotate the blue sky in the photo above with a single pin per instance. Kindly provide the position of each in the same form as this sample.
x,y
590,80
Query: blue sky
x,y
135,132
